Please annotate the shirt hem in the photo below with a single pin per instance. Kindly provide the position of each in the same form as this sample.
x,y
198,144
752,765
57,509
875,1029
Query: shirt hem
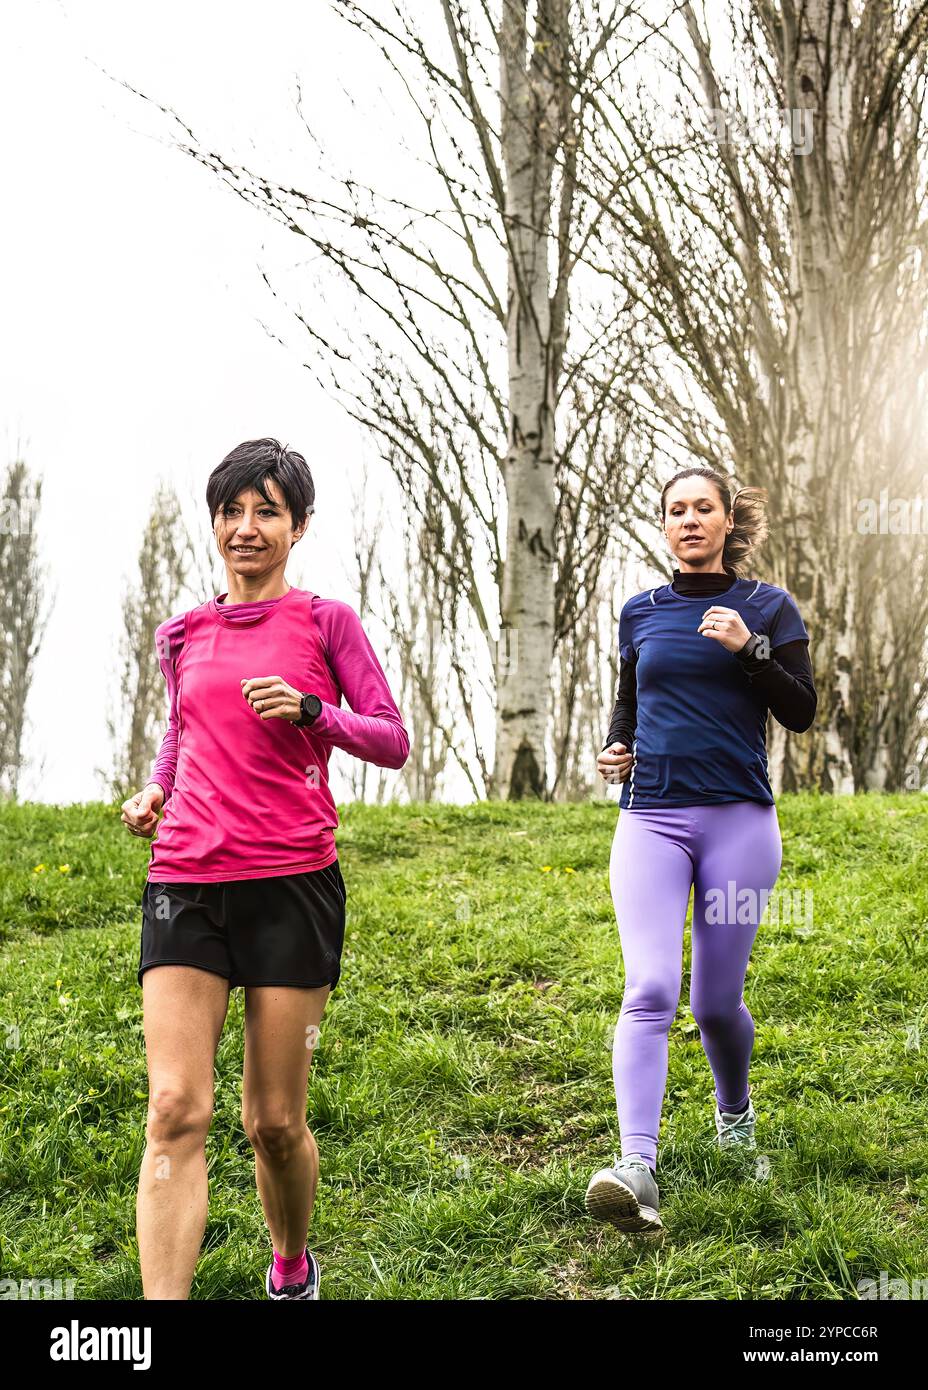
x,y
237,874
656,804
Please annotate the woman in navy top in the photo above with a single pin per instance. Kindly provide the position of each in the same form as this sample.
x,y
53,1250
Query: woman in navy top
x,y
703,661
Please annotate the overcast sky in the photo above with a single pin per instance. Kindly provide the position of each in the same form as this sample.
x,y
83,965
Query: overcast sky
x,y
130,292
133,348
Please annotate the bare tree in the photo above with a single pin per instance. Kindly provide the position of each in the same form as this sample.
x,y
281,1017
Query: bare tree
x,y
436,656
581,298
136,724
366,541
202,566
789,290
23,621
469,349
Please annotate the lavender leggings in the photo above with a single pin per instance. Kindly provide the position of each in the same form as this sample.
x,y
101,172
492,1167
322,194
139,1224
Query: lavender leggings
x,y
730,854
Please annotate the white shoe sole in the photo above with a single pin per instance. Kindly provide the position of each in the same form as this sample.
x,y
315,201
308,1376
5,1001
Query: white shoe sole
x,y
608,1199
729,1143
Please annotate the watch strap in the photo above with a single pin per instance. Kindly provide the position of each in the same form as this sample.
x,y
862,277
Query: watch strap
x,y
748,657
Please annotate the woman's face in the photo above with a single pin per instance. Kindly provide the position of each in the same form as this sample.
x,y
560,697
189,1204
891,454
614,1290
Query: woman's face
x,y
255,536
695,524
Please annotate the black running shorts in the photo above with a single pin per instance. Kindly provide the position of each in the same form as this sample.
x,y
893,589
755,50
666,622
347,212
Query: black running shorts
x,y
287,929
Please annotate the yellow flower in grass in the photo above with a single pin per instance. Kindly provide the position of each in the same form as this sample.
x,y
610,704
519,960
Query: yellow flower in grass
x,y
570,871
546,868
64,868
39,869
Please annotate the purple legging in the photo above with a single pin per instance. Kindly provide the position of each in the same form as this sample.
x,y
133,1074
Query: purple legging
x,y
657,857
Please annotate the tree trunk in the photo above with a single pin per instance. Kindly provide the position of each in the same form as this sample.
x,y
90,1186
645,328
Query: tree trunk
x,y
819,80
530,101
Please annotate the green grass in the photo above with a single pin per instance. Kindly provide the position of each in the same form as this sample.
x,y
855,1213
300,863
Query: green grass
x,y
462,1090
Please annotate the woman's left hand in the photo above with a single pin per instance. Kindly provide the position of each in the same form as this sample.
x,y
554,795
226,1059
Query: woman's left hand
x,y
272,698
726,626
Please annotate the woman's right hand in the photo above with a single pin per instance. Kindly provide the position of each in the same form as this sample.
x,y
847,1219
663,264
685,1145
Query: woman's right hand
x,y
140,813
614,763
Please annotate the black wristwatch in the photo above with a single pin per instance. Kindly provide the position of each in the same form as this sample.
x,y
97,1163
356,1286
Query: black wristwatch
x,y
751,645
310,709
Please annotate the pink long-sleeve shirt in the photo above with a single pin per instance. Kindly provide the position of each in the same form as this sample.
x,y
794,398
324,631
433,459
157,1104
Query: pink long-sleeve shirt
x,y
246,797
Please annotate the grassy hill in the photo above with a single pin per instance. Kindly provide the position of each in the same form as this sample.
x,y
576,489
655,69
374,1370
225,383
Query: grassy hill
x,y
461,1092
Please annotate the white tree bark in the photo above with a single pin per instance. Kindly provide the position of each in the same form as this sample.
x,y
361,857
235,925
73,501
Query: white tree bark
x,y
530,103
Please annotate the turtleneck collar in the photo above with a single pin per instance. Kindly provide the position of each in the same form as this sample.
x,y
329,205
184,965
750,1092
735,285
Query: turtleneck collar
x,y
698,584
249,613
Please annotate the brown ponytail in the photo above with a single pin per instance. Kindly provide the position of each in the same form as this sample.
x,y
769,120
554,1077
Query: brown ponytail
x,y
749,532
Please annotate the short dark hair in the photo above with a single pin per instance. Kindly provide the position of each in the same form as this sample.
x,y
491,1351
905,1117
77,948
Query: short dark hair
x,y
250,464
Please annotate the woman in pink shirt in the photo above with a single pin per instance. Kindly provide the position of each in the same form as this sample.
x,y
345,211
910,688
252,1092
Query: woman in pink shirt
x,y
244,885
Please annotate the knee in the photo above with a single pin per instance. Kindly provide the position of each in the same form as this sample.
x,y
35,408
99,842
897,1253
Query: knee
x,y
718,1015
654,998
175,1115
275,1136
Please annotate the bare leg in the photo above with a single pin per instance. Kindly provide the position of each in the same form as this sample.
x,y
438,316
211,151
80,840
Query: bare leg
x,y
280,1031
184,1009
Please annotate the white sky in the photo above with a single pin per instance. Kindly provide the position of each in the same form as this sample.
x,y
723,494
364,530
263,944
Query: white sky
x,y
131,298
132,348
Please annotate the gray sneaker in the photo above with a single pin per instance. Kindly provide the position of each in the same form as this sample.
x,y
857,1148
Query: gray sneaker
x,y
736,1129
625,1195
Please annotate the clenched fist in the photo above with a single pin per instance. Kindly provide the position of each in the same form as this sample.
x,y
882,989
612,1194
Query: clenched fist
x,y
725,626
272,698
614,763
140,813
